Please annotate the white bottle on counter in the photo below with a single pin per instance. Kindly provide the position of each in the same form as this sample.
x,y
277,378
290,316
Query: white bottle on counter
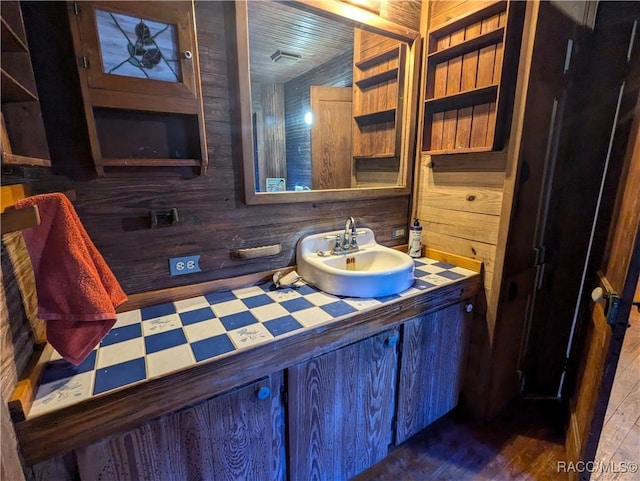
x,y
415,239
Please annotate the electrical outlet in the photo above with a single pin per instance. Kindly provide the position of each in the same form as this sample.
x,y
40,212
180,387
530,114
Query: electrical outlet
x,y
184,265
398,232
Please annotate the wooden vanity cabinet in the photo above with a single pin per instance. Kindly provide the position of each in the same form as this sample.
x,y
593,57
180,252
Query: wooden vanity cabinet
x,y
238,435
340,409
337,416
431,368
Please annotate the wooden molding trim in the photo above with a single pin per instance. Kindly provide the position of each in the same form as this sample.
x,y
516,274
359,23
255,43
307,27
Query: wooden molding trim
x,y
25,390
472,264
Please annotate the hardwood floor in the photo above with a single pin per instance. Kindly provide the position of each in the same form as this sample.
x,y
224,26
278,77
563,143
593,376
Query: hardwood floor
x,y
620,439
525,444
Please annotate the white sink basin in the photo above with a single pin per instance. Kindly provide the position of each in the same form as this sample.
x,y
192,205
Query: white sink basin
x,y
378,270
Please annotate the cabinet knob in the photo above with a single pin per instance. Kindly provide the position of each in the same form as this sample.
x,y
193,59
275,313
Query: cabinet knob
x,y
469,308
597,295
263,393
392,341
187,54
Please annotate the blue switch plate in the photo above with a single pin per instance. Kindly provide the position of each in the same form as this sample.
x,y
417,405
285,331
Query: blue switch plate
x,y
184,265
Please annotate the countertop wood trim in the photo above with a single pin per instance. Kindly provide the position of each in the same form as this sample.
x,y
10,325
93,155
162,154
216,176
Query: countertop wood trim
x,y
66,429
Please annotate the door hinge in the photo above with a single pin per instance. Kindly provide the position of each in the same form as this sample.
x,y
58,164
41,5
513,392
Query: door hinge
x,y
84,62
76,8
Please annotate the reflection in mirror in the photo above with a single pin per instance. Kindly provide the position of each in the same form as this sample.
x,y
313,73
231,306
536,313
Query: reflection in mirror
x,y
326,105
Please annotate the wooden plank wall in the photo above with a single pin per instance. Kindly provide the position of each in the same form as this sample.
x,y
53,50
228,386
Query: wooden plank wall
x,y
214,217
461,207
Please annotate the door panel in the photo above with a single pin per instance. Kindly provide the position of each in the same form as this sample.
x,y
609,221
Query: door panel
x,y
331,137
618,277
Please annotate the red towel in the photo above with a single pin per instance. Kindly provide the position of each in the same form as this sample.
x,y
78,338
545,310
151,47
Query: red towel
x,y
77,292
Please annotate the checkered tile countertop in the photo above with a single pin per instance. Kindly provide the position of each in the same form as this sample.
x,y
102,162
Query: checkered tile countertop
x,y
153,341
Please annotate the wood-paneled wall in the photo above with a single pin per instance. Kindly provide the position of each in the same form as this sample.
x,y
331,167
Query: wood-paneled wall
x,y
213,216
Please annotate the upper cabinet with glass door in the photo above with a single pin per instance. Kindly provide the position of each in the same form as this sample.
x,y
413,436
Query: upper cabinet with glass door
x,y
325,91
138,66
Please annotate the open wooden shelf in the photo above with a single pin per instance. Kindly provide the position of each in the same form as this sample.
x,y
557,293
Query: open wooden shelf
x,y
378,58
480,95
14,91
147,162
475,43
24,140
388,115
465,67
378,78
16,159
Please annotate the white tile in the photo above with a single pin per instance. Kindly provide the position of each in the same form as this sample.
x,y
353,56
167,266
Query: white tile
x,y
463,271
430,269
284,295
411,292
191,304
436,279
161,324
128,318
321,298
58,394
120,352
247,292
268,312
311,316
229,307
203,330
361,304
169,360
249,335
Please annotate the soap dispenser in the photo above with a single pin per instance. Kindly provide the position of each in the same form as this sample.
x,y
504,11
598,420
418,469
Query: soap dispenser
x,y
415,239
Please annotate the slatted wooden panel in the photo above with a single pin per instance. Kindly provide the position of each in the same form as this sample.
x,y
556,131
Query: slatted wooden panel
x,y
431,368
340,410
233,436
462,93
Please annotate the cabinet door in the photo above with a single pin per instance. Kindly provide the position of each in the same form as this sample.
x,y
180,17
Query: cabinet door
x,y
235,436
341,409
139,47
431,368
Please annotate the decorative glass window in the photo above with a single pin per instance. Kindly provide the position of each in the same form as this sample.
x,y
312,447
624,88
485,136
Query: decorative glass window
x,y
135,47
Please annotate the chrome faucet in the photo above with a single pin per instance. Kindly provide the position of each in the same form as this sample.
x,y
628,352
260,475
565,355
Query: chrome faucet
x,y
349,238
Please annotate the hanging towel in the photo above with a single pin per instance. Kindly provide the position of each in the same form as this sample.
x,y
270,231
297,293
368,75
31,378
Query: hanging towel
x,y
77,292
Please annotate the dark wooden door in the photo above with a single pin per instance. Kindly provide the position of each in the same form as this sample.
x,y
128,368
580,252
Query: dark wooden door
x,y
431,368
331,137
341,410
613,291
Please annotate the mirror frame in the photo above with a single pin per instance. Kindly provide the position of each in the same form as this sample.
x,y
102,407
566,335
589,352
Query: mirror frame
x,y
360,18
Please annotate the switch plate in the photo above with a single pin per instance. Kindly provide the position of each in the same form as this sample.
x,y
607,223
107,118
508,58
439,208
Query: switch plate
x,y
398,232
184,265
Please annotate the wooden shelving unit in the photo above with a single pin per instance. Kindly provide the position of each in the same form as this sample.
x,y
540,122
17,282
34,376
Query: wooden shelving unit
x,y
378,81
465,71
24,141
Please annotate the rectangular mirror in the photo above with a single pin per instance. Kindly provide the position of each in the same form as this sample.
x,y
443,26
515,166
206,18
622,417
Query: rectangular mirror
x,y
326,97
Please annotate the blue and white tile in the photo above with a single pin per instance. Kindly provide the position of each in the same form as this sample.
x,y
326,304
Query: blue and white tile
x,y
436,279
282,325
463,271
282,295
321,298
160,324
212,347
269,312
429,269
362,303
58,394
312,316
248,292
119,375
229,307
250,335
191,304
120,352
128,318
169,360
164,340
203,330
